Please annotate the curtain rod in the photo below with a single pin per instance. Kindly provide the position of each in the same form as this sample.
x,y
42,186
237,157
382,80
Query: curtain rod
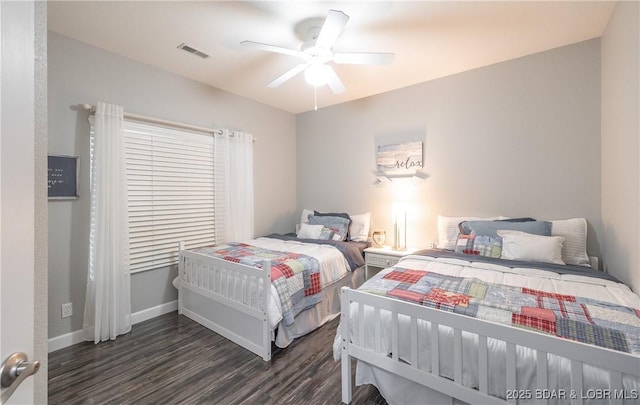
x,y
151,120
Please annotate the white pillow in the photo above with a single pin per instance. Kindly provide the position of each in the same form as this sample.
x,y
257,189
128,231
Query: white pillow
x,y
574,248
304,218
448,230
517,245
308,231
359,228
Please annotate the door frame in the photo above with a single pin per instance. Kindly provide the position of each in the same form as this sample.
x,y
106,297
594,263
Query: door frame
x,y
23,201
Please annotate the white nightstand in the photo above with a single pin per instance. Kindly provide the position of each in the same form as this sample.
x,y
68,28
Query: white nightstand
x,y
381,258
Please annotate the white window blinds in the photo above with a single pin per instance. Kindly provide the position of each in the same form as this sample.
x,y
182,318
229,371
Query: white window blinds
x,y
171,180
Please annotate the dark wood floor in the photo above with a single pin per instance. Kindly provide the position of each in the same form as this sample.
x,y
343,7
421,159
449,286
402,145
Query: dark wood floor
x,y
174,360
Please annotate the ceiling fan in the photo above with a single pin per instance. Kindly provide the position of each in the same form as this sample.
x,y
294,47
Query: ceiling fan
x,y
317,51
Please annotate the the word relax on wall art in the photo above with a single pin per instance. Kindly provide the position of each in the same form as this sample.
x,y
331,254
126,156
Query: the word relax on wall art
x,y
400,159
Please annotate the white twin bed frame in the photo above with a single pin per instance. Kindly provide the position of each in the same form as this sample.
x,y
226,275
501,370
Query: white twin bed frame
x,y
223,296
617,363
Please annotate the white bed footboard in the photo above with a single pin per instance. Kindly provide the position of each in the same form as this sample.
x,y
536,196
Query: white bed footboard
x,y
229,298
617,367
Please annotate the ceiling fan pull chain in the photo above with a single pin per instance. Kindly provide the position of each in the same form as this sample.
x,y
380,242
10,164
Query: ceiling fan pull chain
x,y
315,98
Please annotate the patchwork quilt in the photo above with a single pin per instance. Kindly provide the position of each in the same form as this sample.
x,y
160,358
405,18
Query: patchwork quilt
x,y
296,277
572,317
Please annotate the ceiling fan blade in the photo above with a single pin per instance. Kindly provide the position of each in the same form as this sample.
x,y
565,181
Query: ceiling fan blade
x,y
363,58
288,75
271,48
331,29
334,82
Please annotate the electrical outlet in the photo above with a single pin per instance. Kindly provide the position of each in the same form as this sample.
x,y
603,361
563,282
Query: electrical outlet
x,y
67,310
432,245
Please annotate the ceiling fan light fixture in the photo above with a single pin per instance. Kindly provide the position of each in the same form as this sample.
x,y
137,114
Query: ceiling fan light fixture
x,y
317,74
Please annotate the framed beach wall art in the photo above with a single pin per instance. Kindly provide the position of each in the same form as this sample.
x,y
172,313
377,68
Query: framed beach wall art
x,y
62,178
401,159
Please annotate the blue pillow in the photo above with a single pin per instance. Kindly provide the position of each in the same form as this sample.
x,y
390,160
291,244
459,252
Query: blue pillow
x,y
340,226
334,214
523,219
490,228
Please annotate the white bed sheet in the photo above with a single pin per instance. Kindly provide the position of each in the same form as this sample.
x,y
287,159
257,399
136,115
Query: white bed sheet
x,y
599,289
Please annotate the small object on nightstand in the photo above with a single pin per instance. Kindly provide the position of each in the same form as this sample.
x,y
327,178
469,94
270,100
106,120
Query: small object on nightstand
x,y
381,258
379,237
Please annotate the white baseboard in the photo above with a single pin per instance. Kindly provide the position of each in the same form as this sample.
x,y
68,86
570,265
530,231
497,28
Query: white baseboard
x,y
153,312
68,339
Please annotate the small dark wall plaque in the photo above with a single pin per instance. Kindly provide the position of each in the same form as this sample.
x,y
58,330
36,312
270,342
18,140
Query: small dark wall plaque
x,y
62,177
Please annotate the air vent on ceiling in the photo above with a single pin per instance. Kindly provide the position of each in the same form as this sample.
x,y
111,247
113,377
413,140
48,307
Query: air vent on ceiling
x,y
194,51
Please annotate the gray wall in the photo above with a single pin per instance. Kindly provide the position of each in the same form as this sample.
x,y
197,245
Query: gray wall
x,y
79,73
519,138
621,143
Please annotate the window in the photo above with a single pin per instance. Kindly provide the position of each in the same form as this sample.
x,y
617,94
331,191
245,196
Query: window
x,y
171,181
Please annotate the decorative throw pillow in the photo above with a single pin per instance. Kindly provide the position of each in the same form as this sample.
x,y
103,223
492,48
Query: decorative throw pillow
x,y
339,225
464,244
448,230
527,247
479,245
308,231
488,246
326,234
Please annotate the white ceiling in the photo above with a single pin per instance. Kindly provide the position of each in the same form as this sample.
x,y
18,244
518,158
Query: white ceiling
x,y
430,39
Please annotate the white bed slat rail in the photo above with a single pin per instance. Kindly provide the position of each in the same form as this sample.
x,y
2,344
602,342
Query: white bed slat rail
x,y
576,381
511,371
378,329
345,324
414,342
615,380
483,365
361,336
457,356
395,326
618,363
542,378
435,346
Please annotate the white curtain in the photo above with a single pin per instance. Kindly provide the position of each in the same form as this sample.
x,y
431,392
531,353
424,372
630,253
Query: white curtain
x,y
107,311
234,192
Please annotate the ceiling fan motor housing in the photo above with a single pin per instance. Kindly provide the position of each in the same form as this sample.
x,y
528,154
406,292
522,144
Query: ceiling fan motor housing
x,y
309,28
315,54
